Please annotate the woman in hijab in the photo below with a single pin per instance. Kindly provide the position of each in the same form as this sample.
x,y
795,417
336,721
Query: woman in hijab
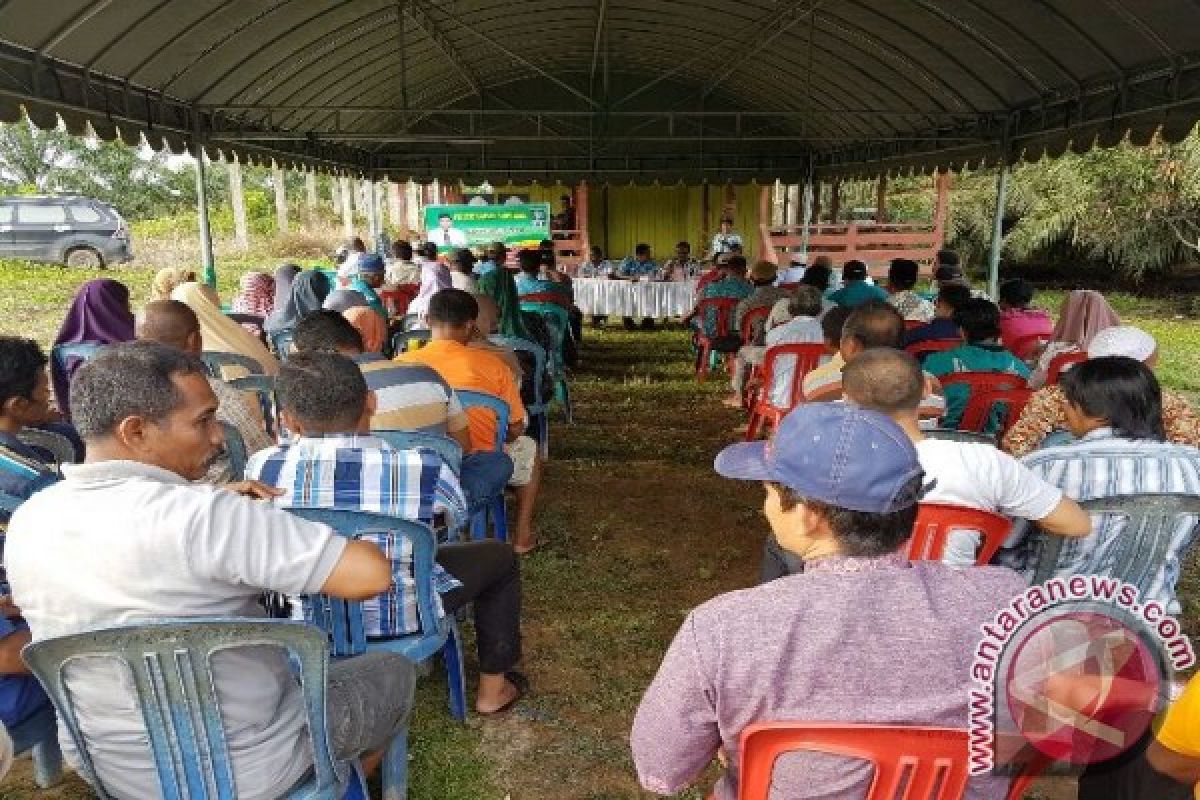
x,y
99,314
256,295
434,277
165,281
342,300
218,331
283,284
308,292
370,327
1084,314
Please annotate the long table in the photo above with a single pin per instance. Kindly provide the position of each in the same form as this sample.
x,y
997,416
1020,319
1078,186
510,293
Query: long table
x,y
655,299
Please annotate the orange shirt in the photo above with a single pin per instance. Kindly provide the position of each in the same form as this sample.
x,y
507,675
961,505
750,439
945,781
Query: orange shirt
x,y
474,370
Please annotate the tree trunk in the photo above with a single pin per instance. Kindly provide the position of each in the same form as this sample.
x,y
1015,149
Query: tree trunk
x,y
310,195
347,206
241,232
281,207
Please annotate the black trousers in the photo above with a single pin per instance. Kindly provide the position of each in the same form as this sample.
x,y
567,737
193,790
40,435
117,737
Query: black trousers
x,y
490,574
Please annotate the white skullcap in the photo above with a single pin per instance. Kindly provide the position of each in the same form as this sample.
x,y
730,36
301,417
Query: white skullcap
x,y
1122,340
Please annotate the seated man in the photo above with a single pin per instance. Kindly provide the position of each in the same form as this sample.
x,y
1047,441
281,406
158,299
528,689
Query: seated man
x,y
979,322
369,278
529,280
682,266
817,276
855,289
1114,409
408,397
842,486
639,265
335,463
24,402
872,325
134,540
494,255
173,323
902,277
732,286
401,271
974,475
452,324
950,298
803,328
715,272
1017,319
765,294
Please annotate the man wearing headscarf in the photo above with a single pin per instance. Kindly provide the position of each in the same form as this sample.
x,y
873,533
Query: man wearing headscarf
x,y
99,314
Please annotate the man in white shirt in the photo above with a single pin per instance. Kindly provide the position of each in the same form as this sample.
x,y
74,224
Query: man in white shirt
x,y
446,235
977,476
804,327
127,539
401,271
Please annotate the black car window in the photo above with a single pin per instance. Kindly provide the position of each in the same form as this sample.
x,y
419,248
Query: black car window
x,y
81,212
6,215
41,215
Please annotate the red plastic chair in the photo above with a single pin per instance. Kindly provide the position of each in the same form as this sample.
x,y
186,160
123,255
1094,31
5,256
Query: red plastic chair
x,y
723,308
919,350
936,521
913,324
789,287
762,411
978,383
980,405
396,300
1024,347
750,318
557,298
1059,365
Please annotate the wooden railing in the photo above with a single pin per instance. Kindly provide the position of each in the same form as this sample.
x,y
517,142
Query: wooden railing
x,y
874,243
571,249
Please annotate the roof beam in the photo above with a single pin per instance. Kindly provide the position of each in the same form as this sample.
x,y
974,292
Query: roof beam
x,y
778,22
435,33
597,37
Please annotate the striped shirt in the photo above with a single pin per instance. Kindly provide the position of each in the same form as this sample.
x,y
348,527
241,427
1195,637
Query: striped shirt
x,y
1102,465
363,473
410,397
824,384
21,474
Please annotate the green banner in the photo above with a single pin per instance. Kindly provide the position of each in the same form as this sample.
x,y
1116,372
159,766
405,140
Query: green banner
x,y
518,226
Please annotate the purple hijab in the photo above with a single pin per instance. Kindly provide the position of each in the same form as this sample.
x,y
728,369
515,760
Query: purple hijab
x,y
100,315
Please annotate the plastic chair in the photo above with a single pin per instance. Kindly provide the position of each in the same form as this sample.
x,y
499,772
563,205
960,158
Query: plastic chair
x,y
235,451
397,299
1139,551
979,383
255,321
61,354
172,679
342,621
58,445
560,299
749,319
495,512
281,343
1060,364
950,434
919,350
913,324
444,446
936,521
723,308
405,340
909,762
263,387
1024,347
217,361
539,419
982,407
39,733
762,410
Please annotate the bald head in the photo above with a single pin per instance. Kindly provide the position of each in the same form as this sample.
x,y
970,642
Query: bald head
x,y
172,323
885,380
873,324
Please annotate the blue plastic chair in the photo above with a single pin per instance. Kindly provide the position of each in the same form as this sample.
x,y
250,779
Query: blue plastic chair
x,y
539,420
39,733
263,387
235,451
444,446
216,361
281,343
496,512
170,664
61,355
342,621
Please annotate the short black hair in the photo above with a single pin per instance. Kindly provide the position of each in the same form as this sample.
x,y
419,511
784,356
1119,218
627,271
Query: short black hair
x,y
902,273
529,261
861,534
947,258
642,249
1121,390
954,295
884,379
818,276
133,379
452,307
979,320
833,322
464,259
855,270
1017,292
21,361
402,250
322,388
874,324
548,257
688,245
326,332
428,250
736,264
805,302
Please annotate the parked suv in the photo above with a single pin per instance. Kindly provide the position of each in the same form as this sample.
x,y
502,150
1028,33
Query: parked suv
x,y
72,230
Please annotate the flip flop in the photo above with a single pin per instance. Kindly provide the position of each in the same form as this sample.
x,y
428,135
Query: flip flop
x,y
521,683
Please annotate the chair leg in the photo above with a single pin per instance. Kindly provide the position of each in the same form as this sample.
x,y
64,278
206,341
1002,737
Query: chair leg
x,y
499,515
456,681
395,768
754,426
479,522
703,362
47,762
568,412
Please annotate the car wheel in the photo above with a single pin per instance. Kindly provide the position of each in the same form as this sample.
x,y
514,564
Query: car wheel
x,y
85,258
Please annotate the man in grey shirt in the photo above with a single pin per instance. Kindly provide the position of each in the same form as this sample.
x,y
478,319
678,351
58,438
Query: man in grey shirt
x,y
127,539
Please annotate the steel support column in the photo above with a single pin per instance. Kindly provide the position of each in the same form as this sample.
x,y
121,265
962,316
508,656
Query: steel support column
x,y
206,249
998,232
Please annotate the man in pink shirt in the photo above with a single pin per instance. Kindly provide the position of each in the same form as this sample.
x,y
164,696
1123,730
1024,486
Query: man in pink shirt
x,y
861,636
1017,319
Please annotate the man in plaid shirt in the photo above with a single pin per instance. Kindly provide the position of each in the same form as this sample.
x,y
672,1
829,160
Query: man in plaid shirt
x,y
335,463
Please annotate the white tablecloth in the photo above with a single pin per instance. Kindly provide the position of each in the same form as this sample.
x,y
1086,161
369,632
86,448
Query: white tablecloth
x,y
635,299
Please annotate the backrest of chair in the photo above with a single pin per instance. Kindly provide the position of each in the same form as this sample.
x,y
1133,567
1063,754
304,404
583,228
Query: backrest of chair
x,y
560,299
408,320
171,666
807,357
81,350
952,435
538,353
722,308
494,404
255,321
235,451
1025,346
263,387
281,343
1060,364
405,340
919,350
444,446
981,403
936,521
913,324
58,445
215,361
341,620
1139,552
755,316
396,299
928,763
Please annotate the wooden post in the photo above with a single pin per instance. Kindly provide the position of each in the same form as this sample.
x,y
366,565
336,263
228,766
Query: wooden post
x,y
835,200
237,196
881,199
281,207
347,197
581,219
941,206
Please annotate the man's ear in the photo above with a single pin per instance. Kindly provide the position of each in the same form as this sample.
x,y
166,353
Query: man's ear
x,y
11,406
289,421
814,524
132,432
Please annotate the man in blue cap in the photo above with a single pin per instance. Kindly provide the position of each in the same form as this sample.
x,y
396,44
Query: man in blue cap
x,y
863,635
371,271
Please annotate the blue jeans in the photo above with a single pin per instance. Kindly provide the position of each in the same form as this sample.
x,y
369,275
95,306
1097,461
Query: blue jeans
x,y
483,476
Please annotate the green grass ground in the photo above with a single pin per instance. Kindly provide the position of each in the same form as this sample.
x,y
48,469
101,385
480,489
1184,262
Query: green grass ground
x,y
635,530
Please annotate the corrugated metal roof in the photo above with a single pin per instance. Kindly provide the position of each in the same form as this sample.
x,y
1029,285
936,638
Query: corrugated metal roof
x,y
658,89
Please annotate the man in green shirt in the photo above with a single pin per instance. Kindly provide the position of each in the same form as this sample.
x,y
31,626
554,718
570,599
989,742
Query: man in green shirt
x,y
855,290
